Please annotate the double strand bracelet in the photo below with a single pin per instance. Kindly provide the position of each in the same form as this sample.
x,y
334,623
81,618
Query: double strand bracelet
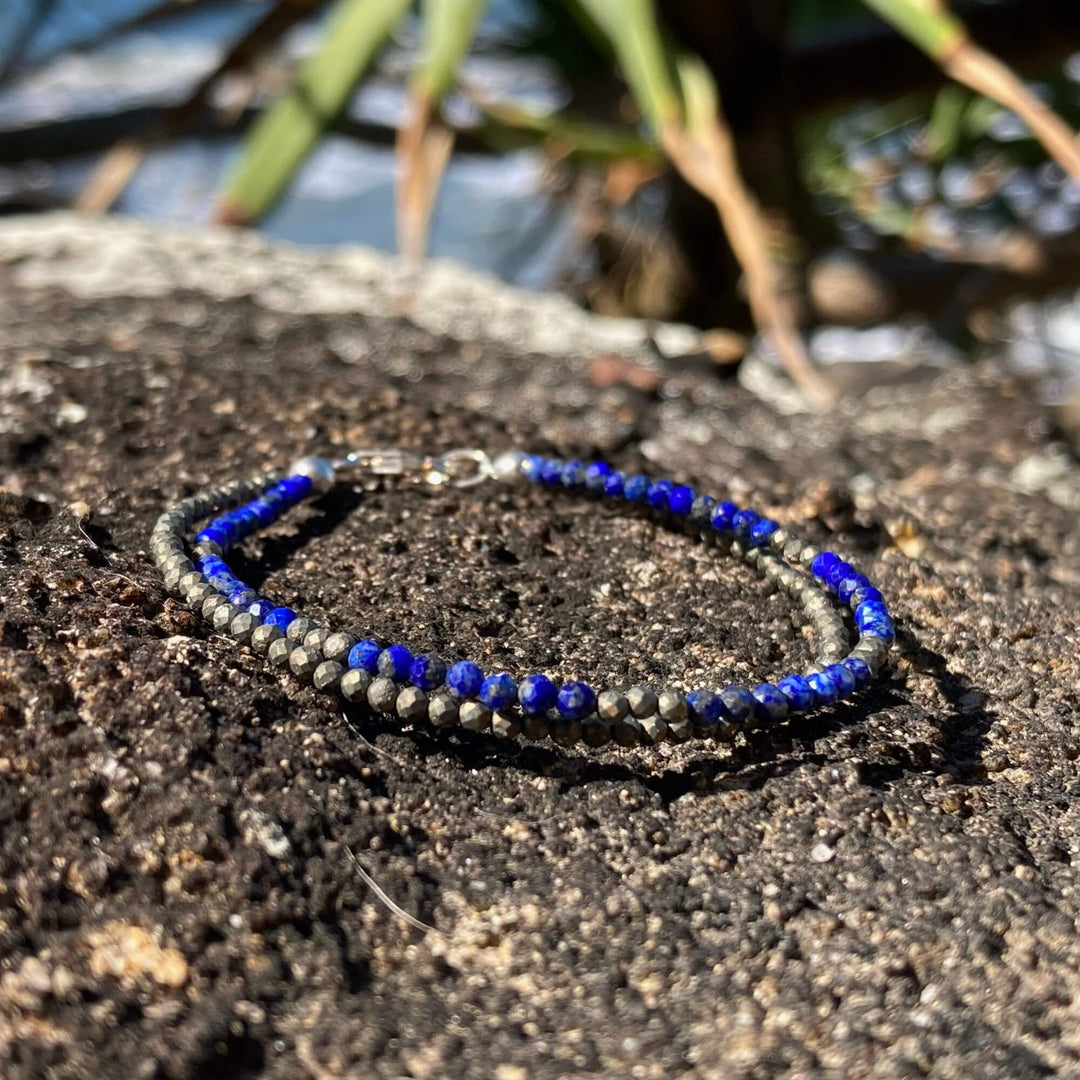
x,y
390,679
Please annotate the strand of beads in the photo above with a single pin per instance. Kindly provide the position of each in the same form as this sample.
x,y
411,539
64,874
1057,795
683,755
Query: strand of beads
x,y
392,680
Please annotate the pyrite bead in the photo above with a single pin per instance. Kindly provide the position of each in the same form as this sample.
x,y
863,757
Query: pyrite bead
x,y
263,636
242,627
304,661
327,675
337,646
278,653
354,684
612,706
474,716
299,629
382,695
443,710
642,701
412,704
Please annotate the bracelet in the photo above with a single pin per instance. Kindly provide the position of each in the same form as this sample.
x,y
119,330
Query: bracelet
x,y
391,680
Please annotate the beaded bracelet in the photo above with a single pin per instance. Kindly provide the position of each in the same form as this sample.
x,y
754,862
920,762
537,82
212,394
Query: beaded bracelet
x,y
391,680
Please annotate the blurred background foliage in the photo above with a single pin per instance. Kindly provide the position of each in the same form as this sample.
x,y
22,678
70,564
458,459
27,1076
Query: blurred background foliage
x,y
804,168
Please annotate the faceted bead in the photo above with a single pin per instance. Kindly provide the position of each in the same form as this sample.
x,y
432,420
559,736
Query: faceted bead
x,y
823,687
761,530
280,617
723,516
636,489
532,467
613,484
354,684
412,704
798,693
705,707
474,716
242,596
701,511
681,499
241,627
262,637
506,725
870,611
304,661
428,671
499,691
213,534
299,629
672,706
656,495
537,694
859,669
573,474
612,706
443,710
842,678
850,585
576,700
382,694
595,733
860,596
642,700
364,656
837,573
740,704
260,609
338,646
328,675
743,522
394,663
596,475
823,563
295,488
464,679
552,471
771,706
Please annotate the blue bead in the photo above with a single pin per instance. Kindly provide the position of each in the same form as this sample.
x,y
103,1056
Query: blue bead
x,y
743,522
850,585
739,703
498,692
656,495
464,679
701,511
844,680
636,489
705,707
723,515
537,694
613,484
883,630
296,488
596,475
551,473
798,693
213,534
837,573
761,530
823,563
267,512
859,669
394,663
860,596
573,474
576,700
260,609
242,596
532,468
681,500
211,564
771,705
364,656
427,672
223,580
280,617
248,520
870,611
823,686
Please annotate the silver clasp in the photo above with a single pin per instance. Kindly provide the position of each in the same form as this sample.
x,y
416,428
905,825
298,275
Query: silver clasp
x,y
456,468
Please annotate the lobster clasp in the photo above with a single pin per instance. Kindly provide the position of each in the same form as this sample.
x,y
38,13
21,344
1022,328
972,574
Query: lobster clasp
x,y
455,468
458,468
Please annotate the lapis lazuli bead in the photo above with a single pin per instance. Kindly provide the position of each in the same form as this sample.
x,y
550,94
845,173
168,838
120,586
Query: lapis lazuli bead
x,y
532,468
576,700
681,499
798,693
771,705
551,473
498,691
844,680
280,617
656,495
761,530
859,669
823,563
267,513
723,515
260,609
297,487
573,474
823,687
242,596
636,488
364,656
883,629
596,475
705,707
743,522
427,671
837,573
223,580
464,679
860,596
394,662
613,484
213,534
701,510
850,585
739,703
537,694
870,611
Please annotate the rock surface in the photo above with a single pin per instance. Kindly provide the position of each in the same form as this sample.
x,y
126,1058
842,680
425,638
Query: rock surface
x,y
887,889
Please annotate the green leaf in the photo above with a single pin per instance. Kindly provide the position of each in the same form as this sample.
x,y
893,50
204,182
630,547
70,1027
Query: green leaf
x,y
446,32
288,131
927,23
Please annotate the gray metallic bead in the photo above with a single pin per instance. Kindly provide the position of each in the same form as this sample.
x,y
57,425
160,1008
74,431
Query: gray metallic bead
x,y
701,509
535,726
172,578
474,716
808,554
316,639
190,581
279,652
354,684
208,547
319,469
412,704
680,731
642,701
596,732
612,706
443,710
327,675
197,597
382,695
507,725
778,539
211,604
793,550
565,732
338,646
672,706
242,627
738,549
223,617
299,629
627,732
831,651
653,731
263,636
